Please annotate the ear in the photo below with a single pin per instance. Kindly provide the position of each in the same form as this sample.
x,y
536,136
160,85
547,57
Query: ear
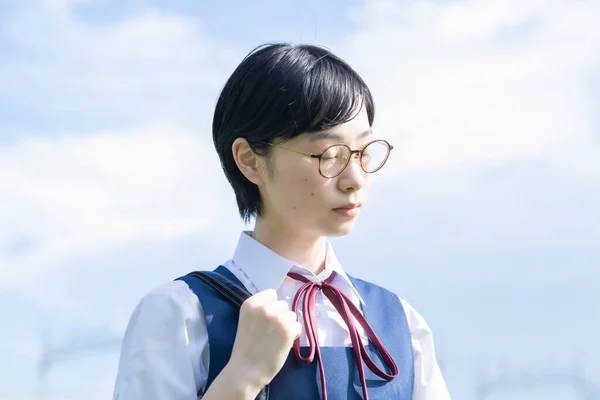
x,y
247,161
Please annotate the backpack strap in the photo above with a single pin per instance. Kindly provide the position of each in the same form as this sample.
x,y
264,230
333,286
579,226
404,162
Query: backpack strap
x,y
230,290
234,293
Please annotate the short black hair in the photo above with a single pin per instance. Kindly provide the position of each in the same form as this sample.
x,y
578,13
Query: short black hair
x,y
280,91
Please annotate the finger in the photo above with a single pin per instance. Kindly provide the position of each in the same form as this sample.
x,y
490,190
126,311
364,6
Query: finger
x,y
291,321
277,309
281,306
298,327
265,296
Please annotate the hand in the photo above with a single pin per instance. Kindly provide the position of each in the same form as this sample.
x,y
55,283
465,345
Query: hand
x,y
266,331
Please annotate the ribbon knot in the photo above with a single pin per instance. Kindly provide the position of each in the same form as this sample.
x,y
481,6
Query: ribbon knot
x,y
349,312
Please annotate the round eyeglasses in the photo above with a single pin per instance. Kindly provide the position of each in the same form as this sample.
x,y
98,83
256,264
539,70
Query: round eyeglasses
x,y
334,159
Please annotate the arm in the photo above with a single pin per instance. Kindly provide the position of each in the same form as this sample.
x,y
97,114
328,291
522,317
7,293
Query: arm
x,y
164,354
232,384
429,383
266,331
167,335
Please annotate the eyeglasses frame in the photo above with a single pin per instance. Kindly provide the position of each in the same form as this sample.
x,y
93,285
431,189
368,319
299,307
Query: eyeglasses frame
x,y
319,156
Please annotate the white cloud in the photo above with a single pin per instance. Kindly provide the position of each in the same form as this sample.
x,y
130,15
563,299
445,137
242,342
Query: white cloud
x,y
155,177
150,67
469,92
454,87
69,195
489,106
462,83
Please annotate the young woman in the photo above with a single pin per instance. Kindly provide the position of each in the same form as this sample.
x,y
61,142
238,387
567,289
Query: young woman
x,y
292,128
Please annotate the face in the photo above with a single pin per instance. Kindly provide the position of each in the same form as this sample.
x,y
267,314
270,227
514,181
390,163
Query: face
x,y
295,194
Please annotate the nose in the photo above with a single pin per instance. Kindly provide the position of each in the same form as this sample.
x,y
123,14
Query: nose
x,y
353,178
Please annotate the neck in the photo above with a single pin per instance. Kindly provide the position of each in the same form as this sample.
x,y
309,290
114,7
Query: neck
x,y
305,249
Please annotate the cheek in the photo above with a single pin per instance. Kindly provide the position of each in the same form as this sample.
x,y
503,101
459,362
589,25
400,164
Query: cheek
x,y
300,188
305,195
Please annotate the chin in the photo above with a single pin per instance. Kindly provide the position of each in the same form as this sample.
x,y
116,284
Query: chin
x,y
339,230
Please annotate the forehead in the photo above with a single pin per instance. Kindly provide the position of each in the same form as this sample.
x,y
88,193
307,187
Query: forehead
x,y
356,128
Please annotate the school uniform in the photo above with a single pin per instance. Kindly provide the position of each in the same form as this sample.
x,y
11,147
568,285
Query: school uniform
x,y
180,336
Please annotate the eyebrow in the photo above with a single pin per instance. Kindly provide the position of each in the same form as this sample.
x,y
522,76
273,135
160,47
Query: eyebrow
x,y
332,135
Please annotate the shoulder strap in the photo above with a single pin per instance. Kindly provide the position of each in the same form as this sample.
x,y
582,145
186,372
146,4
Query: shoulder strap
x,y
234,293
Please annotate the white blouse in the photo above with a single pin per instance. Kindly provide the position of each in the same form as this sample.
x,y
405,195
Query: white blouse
x,y
165,351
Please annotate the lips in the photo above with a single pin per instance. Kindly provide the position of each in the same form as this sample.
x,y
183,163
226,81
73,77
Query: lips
x,y
348,210
348,206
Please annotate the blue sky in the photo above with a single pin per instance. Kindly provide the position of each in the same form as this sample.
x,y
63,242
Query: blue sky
x,y
485,219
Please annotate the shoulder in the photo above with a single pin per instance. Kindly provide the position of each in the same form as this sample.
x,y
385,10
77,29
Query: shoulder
x,y
167,302
175,293
418,326
164,339
167,323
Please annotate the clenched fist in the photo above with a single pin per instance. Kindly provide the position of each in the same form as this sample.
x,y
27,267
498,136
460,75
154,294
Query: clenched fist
x,y
266,331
